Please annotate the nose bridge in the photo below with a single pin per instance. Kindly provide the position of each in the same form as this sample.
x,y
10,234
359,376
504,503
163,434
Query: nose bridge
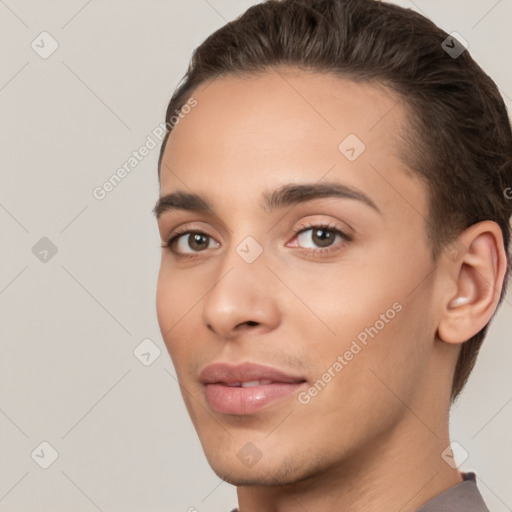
x,y
245,254
240,293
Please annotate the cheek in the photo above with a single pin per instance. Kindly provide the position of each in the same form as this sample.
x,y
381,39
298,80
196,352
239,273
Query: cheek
x,y
177,293
339,302
359,375
378,314
165,304
176,307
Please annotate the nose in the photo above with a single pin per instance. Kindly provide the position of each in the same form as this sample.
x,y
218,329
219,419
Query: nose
x,y
242,298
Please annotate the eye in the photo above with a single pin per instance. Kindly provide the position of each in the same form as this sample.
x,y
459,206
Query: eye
x,y
188,242
320,238
315,238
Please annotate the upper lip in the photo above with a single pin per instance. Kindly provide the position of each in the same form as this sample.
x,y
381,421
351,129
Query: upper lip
x,y
245,372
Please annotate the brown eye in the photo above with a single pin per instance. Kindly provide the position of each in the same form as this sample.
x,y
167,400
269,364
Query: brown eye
x,y
319,236
190,242
322,237
197,241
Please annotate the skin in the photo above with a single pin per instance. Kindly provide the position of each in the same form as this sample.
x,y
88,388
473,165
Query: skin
x,y
372,438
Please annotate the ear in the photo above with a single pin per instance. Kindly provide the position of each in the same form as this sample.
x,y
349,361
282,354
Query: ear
x,y
475,266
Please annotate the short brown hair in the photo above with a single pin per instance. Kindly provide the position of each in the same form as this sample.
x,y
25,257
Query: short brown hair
x,y
459,139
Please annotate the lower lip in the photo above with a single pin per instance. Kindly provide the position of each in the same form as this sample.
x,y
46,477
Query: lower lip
x,y
237,400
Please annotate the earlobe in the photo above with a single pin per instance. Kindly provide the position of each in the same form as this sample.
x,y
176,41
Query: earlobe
x,y
477,277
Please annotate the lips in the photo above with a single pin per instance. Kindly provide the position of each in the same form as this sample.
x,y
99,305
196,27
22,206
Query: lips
x,y
246,388
244,373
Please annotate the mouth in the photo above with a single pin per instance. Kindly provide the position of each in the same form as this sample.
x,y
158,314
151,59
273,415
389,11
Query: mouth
x,y
248,384
246,388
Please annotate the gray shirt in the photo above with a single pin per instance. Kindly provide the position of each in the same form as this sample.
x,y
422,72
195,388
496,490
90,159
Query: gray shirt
x,y
463,497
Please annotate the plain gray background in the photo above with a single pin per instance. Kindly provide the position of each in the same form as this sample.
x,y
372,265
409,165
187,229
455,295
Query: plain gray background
x,y
70,321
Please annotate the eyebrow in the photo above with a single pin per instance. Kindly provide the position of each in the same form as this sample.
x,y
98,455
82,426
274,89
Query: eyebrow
x,y
287,195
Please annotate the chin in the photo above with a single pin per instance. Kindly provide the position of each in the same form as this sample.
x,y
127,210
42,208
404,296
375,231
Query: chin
x,y
279,469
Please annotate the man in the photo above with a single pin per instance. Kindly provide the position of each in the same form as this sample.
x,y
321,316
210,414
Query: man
x,y
335,233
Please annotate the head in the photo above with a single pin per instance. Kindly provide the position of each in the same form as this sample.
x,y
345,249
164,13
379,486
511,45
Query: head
x,y
377,296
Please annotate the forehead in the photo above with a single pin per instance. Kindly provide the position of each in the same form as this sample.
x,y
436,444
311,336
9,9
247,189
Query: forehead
x,y
289,106
286,125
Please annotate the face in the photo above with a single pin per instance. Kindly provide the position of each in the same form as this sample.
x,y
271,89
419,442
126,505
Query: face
x,y
296,305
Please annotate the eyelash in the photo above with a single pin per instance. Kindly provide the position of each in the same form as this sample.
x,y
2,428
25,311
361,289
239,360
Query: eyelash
x,y
301,229
180,232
